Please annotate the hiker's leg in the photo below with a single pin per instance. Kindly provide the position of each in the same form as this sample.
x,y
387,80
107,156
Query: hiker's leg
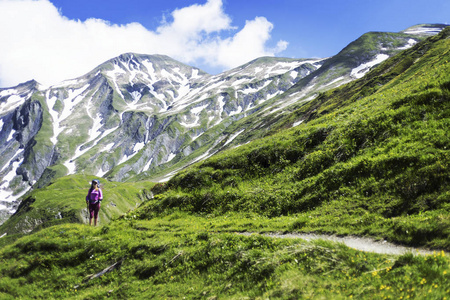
x,y
96,210
91,213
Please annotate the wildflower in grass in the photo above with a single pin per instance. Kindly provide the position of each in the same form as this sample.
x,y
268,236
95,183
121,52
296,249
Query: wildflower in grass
x,y
423,281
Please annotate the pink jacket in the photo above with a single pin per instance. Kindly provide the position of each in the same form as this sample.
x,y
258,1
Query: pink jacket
x,y
94,196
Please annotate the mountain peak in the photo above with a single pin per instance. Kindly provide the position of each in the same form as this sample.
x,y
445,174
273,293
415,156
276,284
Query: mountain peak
x,y
157,59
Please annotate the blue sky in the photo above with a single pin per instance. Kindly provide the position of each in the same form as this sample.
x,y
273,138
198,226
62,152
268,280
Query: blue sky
x,y
53,40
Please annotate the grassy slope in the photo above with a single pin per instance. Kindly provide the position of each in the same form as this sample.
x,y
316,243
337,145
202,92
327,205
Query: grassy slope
x,y
375,165
182,256
372,159
64,202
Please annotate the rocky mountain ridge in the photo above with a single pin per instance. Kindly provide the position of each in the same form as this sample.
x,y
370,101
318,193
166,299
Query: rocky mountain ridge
x,y
147,116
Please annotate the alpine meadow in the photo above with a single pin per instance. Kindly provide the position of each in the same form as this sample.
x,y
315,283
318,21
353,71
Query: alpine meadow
x,y
211,183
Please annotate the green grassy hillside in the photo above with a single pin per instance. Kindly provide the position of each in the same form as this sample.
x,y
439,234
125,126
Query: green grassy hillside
x,y
63,201
371,158
183,257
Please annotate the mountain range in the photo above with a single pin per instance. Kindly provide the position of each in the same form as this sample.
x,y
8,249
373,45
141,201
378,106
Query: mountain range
x,y
139,116
270,182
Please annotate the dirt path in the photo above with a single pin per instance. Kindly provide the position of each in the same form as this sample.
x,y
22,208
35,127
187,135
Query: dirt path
x,y
358,243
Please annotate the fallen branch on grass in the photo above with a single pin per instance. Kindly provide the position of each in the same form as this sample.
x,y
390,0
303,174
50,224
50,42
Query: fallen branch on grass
x,y
104,271
175,257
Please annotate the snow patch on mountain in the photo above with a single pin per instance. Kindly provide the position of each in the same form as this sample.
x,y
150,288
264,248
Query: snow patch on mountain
x,y
239,82
409,44
138,147
238,111
125,158
11,135
8,92
221,104
234,136
270,96
94,132
54,114
71,167
114,77
107,148
6,194
205,155
7,164
198,135
213,84
189,100
171,156
136,97
336,80
195,123
425,29
66,83
251,90
297,123
147,166
195,74
282,68
360,71
12,103
70,102
197,110
293,74
151,75
101,173
169,175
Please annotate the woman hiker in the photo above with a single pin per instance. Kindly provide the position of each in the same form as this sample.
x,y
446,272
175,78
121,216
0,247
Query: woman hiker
x,y
93,200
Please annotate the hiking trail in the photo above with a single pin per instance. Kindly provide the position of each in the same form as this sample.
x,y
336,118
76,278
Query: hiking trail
x,y
355,242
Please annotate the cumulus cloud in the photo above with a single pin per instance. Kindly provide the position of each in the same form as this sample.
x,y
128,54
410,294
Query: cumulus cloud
x,y
38,42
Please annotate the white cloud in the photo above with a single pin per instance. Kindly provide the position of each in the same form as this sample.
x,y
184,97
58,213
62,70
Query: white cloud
x,y
190,21
38,42
247,44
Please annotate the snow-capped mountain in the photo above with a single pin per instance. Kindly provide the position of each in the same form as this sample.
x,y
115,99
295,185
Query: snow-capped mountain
x,y
147,116
355,60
